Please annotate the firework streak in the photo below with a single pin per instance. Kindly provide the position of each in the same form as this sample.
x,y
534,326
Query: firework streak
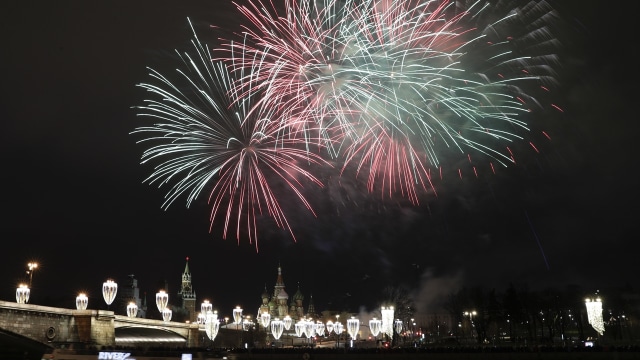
x,y
389,89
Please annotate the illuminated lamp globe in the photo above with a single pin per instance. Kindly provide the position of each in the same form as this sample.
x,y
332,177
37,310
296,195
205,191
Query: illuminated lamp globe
x,y
162,299
22,294
212,325
82,301
132,309
237,315
109,291
353,325
398,326
287,322
374,326
265,318
320,328
277,327
205,307
166,314
329,327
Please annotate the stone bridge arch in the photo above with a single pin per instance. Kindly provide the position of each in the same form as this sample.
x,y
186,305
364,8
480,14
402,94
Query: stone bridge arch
x,y
138,331
57,326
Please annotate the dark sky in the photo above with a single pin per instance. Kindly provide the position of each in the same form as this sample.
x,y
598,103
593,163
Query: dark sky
x,y
73,197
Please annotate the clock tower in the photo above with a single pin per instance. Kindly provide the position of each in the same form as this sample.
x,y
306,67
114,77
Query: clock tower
x,y
187,295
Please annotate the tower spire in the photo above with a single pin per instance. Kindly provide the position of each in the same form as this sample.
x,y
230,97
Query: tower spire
x,y
187,294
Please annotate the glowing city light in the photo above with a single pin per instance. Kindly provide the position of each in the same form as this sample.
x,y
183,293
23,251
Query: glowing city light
x,y
132,309
82,301
594,314
162,299
387,320
109,291
22,294
375,326
277,327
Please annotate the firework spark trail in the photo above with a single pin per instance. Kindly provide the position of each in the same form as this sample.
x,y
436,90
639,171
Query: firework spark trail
x,y
204,134
428,77
391,90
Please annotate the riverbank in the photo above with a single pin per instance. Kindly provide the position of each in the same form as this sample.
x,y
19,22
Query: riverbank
x,y
602,353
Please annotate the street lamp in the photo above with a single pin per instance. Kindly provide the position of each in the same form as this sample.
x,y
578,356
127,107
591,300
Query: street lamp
x,y
310,328
166,314
277,327
300,328
109,291
471,314
162,299
237,315
247,323
212,324
22,294
32,267
202,319
353,325
205,307
319,328
329,327
287,322
374,327
397,326
237,319
265,318
82,301
338,328
132,309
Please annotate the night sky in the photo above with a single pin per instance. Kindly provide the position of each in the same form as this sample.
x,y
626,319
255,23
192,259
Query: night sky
x,y
74,201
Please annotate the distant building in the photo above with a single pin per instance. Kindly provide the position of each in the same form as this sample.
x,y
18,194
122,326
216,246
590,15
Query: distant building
x,y
130,293
278,305
188,296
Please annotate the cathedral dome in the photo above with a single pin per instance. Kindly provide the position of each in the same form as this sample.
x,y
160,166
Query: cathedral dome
x,y
283,295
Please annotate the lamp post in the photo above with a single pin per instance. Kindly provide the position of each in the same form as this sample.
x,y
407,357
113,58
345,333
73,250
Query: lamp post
x,y
32,267
212,324
374,327
237,319
82,301
329,326
338,328
397,327
162,299
320,328
109,291
277,327
300,328
353,325
132,309
22,294
265,318
248,325
205,307
166,314
310,328
287,322
470,314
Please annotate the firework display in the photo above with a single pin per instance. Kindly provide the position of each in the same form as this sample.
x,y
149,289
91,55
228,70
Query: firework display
x,y
205,134
389,90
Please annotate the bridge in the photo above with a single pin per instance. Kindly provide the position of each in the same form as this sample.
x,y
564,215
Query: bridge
x,y
54,327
